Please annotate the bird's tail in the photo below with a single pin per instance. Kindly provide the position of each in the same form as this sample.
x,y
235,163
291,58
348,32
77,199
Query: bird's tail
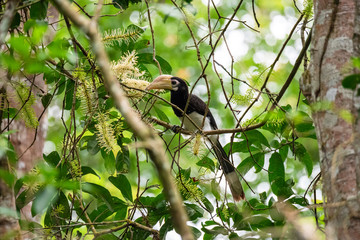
x,y
230,173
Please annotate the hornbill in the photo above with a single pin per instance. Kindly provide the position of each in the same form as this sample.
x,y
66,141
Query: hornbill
x,y
196,110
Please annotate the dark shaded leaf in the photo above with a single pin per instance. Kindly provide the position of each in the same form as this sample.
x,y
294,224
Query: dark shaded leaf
x,y
16,21
196,232
109,160
52,158
39,10
259,221
123,159
123,184
194,211
124,4
237,147
351,81
45,100
165,228
147,58
304,157
99,193
29,226
208,204
92,145
257,161
276,167
69,94
255,137
88,170
212,233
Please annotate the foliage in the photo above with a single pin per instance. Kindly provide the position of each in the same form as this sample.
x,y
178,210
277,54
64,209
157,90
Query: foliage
x,y
97,179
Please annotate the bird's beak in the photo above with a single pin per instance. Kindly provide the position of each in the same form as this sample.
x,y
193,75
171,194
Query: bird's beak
x,y
161,82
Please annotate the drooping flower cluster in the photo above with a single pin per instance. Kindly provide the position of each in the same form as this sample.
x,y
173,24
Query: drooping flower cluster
x,y
129,75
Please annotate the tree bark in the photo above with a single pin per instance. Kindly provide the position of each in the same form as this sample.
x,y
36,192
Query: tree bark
x,y
336,39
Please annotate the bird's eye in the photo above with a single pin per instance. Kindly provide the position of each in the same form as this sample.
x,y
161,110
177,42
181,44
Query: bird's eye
x,y
174,82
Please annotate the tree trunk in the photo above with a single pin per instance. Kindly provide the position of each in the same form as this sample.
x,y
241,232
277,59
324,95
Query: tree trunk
x,y
336,39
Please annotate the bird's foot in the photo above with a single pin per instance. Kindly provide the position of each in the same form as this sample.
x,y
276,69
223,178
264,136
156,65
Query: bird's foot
x,y
176,128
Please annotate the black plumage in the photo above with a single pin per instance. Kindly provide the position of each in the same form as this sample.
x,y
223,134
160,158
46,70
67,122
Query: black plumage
x,y
196,110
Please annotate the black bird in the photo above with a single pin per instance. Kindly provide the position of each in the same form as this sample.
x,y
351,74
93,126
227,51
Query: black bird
x,y
196,111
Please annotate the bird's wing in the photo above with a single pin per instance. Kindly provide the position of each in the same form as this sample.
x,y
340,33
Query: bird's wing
x,y
199,106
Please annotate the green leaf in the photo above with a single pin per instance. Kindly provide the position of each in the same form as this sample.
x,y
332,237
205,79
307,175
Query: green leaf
x,y
206,163
284,151
92,145
124,4
304,157
257,161
51,76
194,211
161,114
276,215
43,199
214,231
196,232
277,175
8,177
208,204
234,236
147,58
299,200
255,137
141,44
245,165
16,21
9,62
259,222
33,66
52,158
121,213
165,228
21,45
69,94
123,184
215,189
58,48
39,10
237,147
123,159
45,100
276,167
109,159
62,85
99,193
88,170
351,81
63,203
29,226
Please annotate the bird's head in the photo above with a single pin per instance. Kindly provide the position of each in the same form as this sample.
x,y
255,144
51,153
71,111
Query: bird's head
x,y
168,82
